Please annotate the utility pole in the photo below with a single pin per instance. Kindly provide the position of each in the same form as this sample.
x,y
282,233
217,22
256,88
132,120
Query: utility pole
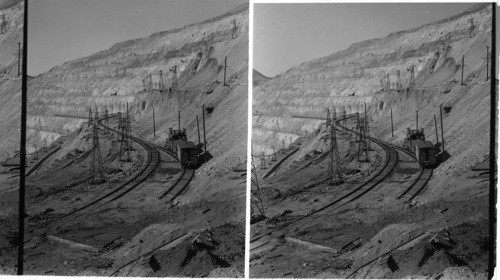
x,y
392,125
179,120
412,76
471,27
3,25
367,131
97,171
398,82
417,121
22,151
463,66
154,125
436,127
160,82
334,163
90,116
204,134
328,121
225,66
233,33
198,126
175,82
19,59
487,62
442,131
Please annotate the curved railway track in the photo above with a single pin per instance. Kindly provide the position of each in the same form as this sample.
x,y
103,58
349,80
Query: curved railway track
x,y
423,177
153,160
389,164
123,189
40,162
387,167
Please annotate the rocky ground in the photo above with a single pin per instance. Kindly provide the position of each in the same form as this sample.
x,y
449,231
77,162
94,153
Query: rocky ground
x,y
201,233
443,233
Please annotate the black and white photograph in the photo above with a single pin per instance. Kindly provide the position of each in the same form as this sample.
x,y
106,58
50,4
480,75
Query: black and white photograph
x,y
136,138
370,146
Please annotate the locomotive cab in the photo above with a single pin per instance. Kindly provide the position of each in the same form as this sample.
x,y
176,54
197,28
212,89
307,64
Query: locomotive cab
x,y
175,135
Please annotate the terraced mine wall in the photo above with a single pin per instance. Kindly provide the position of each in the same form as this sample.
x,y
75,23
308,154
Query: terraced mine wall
x,y
11,33
349,78
140,72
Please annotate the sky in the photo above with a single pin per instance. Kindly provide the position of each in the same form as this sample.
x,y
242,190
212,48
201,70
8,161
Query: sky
x,y
63,30
285,35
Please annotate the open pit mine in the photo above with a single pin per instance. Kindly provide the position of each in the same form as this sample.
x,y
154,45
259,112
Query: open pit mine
x,y
373,162
136,157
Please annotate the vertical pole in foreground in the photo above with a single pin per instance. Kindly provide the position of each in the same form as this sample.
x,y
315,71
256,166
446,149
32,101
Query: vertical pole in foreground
x,y
442,131
22,156
392,125
179,120
225,66
463,65
493,166
436,126
154,125
204,135
198,126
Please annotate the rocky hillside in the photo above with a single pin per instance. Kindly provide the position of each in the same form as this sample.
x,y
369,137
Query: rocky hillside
x,y
143,72
11,33
348,78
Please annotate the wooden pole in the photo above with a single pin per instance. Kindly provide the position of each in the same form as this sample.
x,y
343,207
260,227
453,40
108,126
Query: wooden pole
x,y
204,135
225,66
435,126
22,149
417,120
442,131
463,65
19,59
198,126
179,120
392,125
487,62
154,126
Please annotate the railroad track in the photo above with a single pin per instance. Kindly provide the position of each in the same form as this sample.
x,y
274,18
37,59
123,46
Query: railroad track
x,y
387,167
279,163
418,185
41,161
179,186
123,189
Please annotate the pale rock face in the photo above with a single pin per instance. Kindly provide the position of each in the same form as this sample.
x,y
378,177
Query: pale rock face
x,y
11,27
133,71
435,50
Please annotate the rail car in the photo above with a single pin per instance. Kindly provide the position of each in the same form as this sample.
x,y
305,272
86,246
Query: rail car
x,y
187,152
424,151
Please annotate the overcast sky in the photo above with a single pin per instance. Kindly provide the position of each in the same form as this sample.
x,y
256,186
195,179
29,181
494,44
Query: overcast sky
x,y
285,35
63,30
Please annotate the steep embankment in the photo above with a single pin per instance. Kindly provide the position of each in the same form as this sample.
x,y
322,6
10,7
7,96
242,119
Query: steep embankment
x,y
140,72
11,33
367,72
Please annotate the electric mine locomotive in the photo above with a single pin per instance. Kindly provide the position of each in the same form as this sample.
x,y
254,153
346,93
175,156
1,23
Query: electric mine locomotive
x,y
424,151
187,152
